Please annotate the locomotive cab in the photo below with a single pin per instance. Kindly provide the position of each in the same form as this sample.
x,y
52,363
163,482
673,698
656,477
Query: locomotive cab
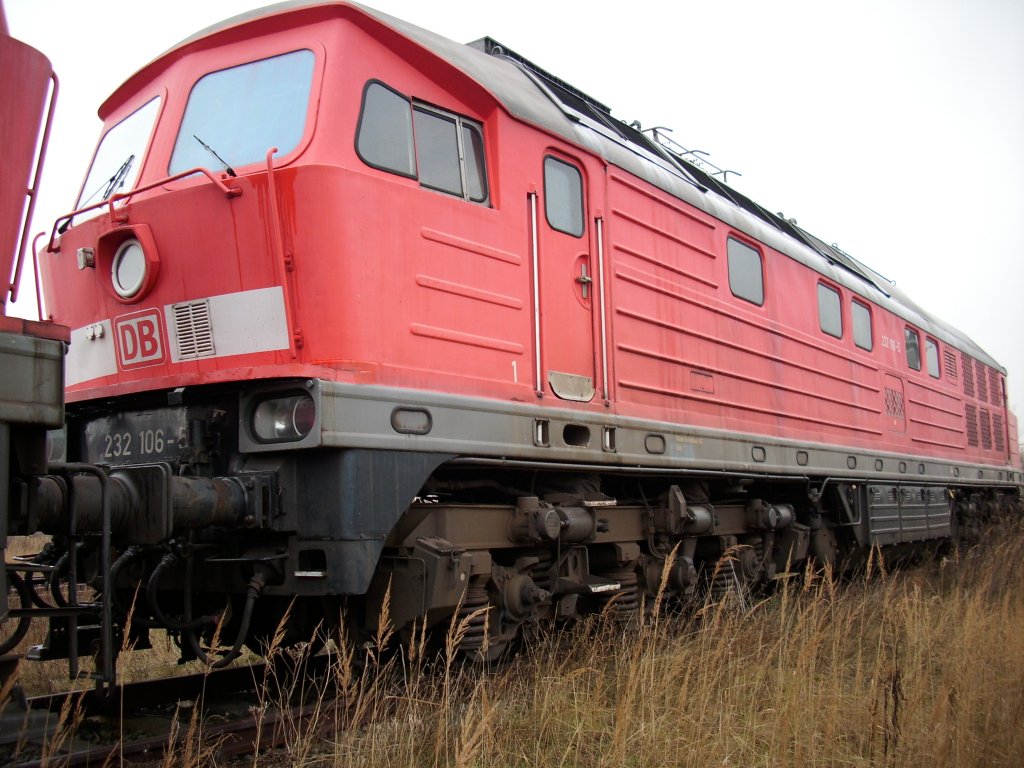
x,y
244,246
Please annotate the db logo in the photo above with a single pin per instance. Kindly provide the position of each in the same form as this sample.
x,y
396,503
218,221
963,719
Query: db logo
x,y
138,340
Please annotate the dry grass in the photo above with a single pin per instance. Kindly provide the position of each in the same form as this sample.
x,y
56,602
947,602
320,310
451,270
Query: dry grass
x,y
921,668
913,669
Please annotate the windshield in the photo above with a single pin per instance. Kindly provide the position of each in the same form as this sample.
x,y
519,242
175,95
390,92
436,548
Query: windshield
x,y
235,115
119,156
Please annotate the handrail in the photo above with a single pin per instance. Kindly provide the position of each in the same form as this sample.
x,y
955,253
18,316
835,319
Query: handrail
x,y
283,262
228,191
700,157
35,269
105,673
538,375
602,298
33,192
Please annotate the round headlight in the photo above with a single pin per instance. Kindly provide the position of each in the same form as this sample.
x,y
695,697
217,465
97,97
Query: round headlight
x,y
128,271
284,418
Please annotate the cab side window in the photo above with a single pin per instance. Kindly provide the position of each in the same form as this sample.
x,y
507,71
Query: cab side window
x,y
444,151
385,131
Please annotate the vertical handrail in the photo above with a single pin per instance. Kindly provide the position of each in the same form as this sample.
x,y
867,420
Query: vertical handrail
x,y
32,193
294,334
35,270
106,673
72,579
601,298
538,381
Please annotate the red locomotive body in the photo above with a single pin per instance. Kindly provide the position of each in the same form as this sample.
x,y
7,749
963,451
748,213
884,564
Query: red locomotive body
x,y
393,310
332,268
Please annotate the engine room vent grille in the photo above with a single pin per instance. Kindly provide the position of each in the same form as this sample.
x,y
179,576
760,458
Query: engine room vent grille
x,y
971,414
894,404
993,386
968,376
950,360
997,433
982,381
194,330
986,430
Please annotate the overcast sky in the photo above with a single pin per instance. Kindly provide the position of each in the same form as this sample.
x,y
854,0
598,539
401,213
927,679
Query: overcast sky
x,y
893,128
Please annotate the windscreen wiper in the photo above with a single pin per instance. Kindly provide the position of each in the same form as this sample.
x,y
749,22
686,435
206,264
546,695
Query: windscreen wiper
x,y
117,180
108,188
230,171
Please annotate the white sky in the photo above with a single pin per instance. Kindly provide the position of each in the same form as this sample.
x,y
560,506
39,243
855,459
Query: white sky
x,y
893,128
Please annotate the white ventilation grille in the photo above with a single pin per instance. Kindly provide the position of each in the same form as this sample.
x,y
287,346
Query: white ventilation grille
x,y
194,331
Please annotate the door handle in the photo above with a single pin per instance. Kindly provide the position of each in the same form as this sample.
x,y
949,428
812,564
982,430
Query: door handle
x,y
584,280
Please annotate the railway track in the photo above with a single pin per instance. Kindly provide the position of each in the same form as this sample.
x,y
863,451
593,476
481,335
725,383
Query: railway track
x,y
236,711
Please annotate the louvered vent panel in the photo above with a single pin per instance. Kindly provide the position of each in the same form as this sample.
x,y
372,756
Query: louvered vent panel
x,y
986,430
950,361
195,333
971,415
968,375
982,381
993,387
997,433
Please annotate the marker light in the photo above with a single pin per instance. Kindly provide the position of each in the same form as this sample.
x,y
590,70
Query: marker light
x,y
128,270
284,419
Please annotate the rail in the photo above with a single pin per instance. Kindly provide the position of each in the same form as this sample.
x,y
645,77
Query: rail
x,y
104,676
32,193
123,729
696,157
284,260
110,201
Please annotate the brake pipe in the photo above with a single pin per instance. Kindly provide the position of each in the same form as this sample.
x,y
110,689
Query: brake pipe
x,y
256,584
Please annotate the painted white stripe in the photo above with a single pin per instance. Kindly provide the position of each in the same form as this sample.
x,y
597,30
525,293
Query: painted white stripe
x,y
89,358
242,323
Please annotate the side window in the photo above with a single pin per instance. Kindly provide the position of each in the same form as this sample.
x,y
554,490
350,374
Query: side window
x,y
862,335
241,112
437,149
746,278
931,356
830,311
442,150
385,131
563,196
476,179
913,348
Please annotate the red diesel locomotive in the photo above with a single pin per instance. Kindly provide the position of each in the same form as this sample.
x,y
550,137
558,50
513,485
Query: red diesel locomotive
x,y
359,313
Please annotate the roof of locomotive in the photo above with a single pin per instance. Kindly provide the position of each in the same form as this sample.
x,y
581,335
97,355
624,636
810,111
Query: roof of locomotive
x,y
535,96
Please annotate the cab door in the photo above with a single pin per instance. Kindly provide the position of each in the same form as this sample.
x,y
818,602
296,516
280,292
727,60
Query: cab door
x,y
565,281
